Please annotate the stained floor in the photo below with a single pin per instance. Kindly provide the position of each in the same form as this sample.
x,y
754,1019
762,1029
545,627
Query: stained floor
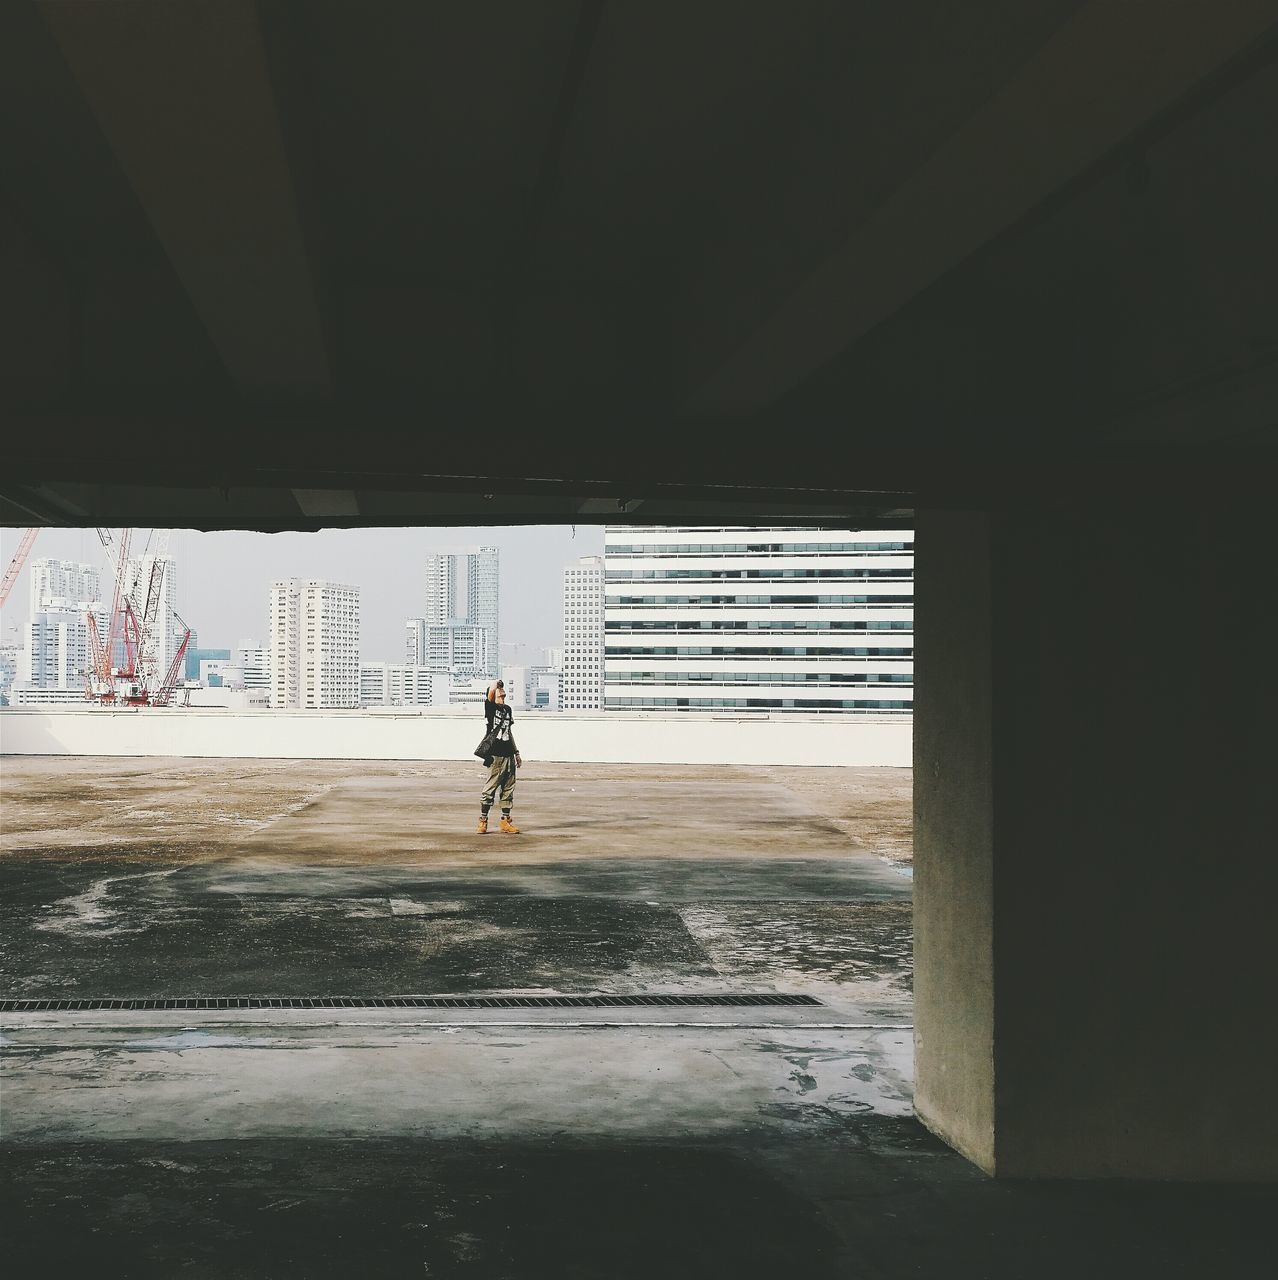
x,y
500,1143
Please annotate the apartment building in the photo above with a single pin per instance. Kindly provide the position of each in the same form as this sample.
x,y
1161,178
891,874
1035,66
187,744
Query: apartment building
x,y
314,658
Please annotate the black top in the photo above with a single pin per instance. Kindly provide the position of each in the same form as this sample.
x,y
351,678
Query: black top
x,y
504,739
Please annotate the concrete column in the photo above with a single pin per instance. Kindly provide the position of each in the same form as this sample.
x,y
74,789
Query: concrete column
x,y
1095,840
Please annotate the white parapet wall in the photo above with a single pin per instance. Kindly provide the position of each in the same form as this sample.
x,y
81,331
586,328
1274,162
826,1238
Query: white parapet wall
x,y
601,737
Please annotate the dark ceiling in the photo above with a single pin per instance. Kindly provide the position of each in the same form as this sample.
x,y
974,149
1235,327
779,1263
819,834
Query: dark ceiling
x,y
307,262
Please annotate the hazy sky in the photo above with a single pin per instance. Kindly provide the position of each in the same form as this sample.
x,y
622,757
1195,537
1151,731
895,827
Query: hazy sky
x,y
224,578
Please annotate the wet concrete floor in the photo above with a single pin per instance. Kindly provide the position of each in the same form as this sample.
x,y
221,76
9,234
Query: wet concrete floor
x,y
498,1142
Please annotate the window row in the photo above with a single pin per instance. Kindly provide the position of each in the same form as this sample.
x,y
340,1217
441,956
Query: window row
x,y
808,600
760,677
767,625
747,651
627,575
748,548
765,704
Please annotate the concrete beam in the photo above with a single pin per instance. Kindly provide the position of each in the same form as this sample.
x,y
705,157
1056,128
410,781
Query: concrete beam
x,y
1104,76
183,94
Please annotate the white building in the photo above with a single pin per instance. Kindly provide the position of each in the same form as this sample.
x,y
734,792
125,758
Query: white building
x,y
415,641
467,690
532,687
483,589
581,686
447,637
772,620
458,647
62,584
55,658
441,588
24,695
255,661
314,644
228,698
401,684
220,671
286,644
10,659
55,655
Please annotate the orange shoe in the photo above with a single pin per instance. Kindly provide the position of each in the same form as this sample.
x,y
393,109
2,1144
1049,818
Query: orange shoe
x,y
509,827
482,829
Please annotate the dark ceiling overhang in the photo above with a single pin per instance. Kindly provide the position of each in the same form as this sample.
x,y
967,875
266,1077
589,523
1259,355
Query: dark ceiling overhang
x,y
297,264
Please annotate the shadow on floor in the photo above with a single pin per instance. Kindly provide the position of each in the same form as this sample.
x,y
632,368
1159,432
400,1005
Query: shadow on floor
x,y
887,1201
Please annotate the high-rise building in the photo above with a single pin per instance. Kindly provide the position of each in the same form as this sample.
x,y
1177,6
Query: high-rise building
x,y
286,644
415,641
581,685
466,643
483,582
314,658
772,620
441,588
55,657
62,584
55,654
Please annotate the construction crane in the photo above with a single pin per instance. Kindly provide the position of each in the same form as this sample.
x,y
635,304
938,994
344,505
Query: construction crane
x,y
15,565
123,663
163,696
150,632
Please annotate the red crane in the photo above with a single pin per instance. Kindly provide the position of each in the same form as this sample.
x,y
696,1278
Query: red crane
x,y
15,565
163,696
123,668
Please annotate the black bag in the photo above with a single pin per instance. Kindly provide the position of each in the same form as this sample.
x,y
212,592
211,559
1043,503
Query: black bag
x,y
485,749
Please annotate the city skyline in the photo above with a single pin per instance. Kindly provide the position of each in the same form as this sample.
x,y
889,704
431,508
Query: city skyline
x,y
755,592
224,579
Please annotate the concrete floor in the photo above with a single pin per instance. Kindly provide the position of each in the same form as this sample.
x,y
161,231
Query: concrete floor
x,y
500,1142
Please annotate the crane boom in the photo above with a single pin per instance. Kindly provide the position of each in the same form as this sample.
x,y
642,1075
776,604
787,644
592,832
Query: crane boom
x,y
15,565
149,640
118,554
125,662
164,694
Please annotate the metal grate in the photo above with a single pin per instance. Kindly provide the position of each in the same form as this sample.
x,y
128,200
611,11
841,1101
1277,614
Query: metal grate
x,y
414,1002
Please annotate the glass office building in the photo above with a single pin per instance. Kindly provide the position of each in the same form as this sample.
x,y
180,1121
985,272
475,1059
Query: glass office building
x,y
770,620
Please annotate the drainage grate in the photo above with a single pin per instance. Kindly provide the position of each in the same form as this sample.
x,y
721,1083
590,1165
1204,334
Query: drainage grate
x,y
414,1002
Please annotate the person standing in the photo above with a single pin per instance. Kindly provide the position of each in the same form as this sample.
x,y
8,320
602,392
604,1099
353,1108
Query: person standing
x,y
501,772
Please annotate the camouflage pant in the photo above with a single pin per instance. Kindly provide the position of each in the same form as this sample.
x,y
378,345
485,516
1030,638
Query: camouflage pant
x,y
501,776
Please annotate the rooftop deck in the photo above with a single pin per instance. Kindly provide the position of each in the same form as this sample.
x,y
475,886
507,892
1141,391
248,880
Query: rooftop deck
x,y
626,1141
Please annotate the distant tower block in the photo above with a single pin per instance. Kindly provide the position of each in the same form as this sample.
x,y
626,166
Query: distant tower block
x,y
314,659
441,588
581,687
